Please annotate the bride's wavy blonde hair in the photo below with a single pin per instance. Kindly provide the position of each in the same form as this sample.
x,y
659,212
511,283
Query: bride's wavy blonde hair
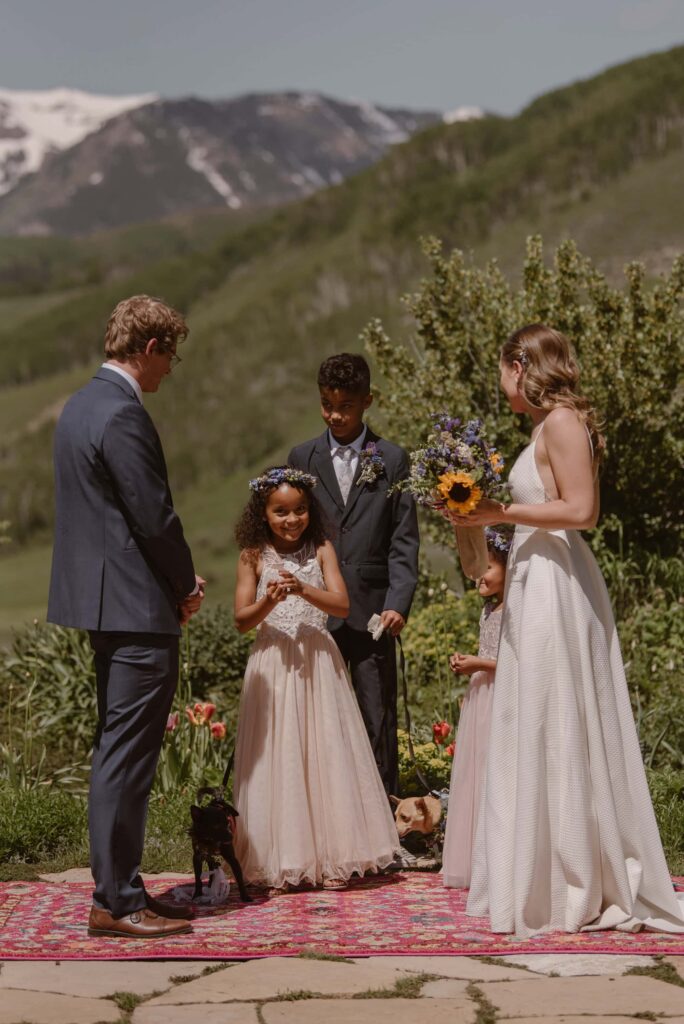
x,y
551,376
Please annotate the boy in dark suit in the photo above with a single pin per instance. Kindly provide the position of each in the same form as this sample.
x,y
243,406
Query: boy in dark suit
x,y
376,539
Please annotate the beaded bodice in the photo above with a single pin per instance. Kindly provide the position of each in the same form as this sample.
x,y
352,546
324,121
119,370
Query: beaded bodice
x,y
294,615
490,628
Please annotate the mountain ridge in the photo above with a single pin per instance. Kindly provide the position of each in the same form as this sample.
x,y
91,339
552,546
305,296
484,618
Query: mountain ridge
x,y
168,156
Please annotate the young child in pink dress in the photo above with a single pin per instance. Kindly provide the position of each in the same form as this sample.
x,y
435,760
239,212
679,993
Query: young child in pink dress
x,y
470,758
311,802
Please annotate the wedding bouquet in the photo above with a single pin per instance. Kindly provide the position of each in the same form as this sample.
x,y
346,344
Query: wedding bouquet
x,y
455,468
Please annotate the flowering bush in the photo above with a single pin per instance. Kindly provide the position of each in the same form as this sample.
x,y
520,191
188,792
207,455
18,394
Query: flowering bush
x,y
434,763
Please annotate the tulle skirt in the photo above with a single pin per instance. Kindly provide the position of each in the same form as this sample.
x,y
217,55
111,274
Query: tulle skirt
x,y
467,775
310,800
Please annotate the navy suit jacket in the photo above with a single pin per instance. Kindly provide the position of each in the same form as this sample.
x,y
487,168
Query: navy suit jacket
x,y
376,537
120,561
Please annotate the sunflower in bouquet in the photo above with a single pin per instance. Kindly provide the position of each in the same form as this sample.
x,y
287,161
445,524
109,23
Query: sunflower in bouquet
x,y
455,467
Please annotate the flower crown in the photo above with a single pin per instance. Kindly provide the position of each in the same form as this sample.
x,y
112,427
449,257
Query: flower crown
x,y
500,539
282,475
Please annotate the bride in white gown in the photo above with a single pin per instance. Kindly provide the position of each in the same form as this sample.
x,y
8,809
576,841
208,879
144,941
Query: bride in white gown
x,y
567,838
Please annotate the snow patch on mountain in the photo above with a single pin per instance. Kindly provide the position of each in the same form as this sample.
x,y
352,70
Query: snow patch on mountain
x,y
37,122
390,130
462,114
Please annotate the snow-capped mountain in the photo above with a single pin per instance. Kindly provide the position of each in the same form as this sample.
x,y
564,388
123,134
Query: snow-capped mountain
x,y
34,123
71,163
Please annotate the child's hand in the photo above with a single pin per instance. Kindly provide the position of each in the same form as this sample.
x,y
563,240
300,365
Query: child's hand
x,y
275,592
463,664
290,583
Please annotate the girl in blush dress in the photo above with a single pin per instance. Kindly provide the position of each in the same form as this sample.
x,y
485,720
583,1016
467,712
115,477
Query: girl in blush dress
x,y
467,771
311,802
566,837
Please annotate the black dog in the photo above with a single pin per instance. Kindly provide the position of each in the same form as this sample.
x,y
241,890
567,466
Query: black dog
x,y
212,831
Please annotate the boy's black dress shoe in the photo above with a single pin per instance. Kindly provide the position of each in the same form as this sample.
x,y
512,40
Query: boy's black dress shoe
x,y
168,909
142,924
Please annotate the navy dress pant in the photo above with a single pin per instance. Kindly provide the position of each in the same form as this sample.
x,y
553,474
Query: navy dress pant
x,y
137,675
373,668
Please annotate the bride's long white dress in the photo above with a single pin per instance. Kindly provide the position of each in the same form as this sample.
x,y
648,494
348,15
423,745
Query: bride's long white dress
x,y
567,838
309,795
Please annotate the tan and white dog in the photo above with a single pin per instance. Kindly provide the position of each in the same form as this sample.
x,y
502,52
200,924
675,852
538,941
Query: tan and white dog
x,y
417,814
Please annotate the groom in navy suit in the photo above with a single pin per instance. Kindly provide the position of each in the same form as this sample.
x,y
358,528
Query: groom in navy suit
x,y
376,539
122,570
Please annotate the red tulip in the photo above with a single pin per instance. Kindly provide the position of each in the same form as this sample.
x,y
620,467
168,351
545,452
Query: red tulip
x,y
450,750
218,730
440,731
202,713
172,721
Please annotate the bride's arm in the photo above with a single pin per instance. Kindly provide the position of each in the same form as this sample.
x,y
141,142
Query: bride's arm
x,y
334,600
248,611
577,504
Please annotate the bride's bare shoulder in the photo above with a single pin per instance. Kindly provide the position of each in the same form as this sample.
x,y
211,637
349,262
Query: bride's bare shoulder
x,y
563,421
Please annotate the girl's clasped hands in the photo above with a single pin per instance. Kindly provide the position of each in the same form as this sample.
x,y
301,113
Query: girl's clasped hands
x,y
279,590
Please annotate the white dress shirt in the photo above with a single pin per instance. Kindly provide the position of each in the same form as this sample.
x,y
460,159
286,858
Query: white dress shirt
x,y
336,449
126,376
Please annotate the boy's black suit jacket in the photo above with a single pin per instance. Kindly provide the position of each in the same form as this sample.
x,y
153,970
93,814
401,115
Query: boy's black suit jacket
x,y
376,537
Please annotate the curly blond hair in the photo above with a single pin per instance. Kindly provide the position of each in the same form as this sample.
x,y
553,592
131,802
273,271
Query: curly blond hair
x,y
551,376
136,320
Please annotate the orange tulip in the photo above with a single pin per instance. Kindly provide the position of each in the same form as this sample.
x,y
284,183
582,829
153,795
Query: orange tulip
x,y
218,730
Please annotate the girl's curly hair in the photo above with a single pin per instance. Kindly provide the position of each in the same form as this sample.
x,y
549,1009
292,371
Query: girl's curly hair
x,y
252,530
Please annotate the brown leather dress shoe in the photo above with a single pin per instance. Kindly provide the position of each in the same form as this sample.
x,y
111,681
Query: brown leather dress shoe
x,y
169,910
142,924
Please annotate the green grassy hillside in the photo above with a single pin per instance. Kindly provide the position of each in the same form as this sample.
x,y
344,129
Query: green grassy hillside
x,y
600,160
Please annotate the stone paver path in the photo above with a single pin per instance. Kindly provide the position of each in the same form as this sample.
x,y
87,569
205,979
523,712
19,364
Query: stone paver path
x,y
541,989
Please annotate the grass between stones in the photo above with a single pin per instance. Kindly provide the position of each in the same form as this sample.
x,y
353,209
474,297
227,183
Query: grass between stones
x,y
661,971
498,961
405,988
311,954
486,1011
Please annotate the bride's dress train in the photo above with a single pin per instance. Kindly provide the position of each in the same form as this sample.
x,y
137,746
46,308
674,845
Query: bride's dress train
x,y
567,838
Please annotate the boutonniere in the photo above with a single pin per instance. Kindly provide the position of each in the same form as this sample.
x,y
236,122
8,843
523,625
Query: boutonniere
x,y
372,464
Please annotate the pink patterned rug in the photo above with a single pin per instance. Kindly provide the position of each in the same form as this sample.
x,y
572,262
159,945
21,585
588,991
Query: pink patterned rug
x,y
398,914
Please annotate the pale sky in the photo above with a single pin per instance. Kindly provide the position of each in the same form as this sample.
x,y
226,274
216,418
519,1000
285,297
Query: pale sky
x,y
430,54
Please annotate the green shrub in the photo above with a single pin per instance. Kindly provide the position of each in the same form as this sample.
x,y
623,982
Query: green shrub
x,y
628,340
215,656
40,823
432,760
447,624
667,793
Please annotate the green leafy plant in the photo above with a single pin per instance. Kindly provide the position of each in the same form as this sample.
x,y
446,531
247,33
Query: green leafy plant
x,y
628,339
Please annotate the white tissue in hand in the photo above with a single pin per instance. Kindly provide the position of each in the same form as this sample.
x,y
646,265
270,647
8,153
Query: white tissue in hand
x,y
376,627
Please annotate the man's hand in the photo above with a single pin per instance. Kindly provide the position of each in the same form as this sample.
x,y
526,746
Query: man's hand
x,y
393,622
191,605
